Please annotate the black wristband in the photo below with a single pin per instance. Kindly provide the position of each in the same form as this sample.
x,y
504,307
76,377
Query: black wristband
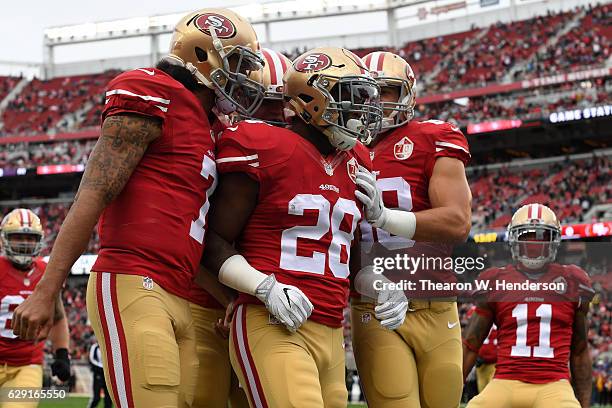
x,y
61,354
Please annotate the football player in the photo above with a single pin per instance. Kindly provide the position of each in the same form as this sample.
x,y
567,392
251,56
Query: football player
x,y
21,269
419,192
539,333
487,356
286,199
217,382
147,184
273,109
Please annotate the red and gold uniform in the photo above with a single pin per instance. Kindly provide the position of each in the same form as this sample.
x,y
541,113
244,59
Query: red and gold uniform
x,y
217,382
534,335
20,360
302,230
151,242
405,367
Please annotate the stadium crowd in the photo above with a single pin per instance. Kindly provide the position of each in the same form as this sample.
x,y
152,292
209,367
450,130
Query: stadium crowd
x,y
525,105
444,63
41,154
55,104
569,188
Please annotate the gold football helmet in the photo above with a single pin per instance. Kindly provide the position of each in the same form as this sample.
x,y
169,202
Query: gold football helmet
x,y
391,70
273,109
331,89
220,48
21,234
534,234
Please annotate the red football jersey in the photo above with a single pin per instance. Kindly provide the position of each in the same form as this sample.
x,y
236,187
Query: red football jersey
x,y
403,162
534,328
15,286
155,227
303,225
488,350
196,294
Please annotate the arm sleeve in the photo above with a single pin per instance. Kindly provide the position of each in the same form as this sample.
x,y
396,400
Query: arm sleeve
x,y
235,153
137,92
450,142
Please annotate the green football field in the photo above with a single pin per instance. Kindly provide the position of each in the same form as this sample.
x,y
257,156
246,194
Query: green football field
x,y
81,402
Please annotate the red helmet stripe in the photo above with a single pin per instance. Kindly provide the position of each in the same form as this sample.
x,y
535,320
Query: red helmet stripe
x,y
539,211
367,60
381,60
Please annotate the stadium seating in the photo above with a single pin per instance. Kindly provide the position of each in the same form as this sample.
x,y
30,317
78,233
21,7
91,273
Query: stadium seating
x,y
44,105
444,63
586,45
569,188
525,105
6,84
41,154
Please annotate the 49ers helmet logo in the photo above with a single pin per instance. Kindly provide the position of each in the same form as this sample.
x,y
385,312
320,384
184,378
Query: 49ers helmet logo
x,y
223,27
313,62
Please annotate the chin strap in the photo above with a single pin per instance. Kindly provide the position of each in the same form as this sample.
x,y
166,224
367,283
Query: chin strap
x,y
339,137
174,60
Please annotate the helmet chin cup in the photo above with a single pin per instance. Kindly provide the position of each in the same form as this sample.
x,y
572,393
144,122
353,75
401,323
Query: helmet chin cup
x,y
340,138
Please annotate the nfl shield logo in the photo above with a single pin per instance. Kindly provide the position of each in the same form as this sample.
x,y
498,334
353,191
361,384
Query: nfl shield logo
x,y
403,149
365,318
371,155
351,169
147,283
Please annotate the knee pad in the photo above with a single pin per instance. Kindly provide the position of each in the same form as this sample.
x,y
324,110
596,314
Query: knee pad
x,y
392,377
448,374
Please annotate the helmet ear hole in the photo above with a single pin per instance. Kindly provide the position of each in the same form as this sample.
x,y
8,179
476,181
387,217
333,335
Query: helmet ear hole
x,y
305,98
201,54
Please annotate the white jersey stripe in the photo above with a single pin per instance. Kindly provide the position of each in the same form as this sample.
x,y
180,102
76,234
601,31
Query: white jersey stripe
x,y
451,145
113,333
145,97
250,377
237,159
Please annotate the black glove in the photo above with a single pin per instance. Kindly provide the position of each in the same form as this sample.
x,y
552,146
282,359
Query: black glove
x,y
61,365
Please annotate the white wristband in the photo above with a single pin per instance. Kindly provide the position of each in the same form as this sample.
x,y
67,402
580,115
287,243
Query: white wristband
x,y
237,273
398,222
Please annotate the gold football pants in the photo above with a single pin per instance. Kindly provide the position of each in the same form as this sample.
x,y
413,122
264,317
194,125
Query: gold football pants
x,y
517,394
216,383
280,369
28,376
419,365
147,341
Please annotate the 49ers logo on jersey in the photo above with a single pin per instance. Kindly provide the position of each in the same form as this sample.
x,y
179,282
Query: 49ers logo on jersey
x,y
351,169
403,149
223,27
313,62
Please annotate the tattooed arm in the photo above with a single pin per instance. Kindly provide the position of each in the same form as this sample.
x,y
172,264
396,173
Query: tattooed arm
x,y
122,143
475,334
580,360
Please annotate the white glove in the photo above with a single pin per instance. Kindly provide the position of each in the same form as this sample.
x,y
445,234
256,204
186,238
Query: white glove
x,y
391,305
391,308
285,302
372,199
397,222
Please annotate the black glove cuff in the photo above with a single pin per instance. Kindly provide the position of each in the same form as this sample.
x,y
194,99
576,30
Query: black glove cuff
x,y
61,354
